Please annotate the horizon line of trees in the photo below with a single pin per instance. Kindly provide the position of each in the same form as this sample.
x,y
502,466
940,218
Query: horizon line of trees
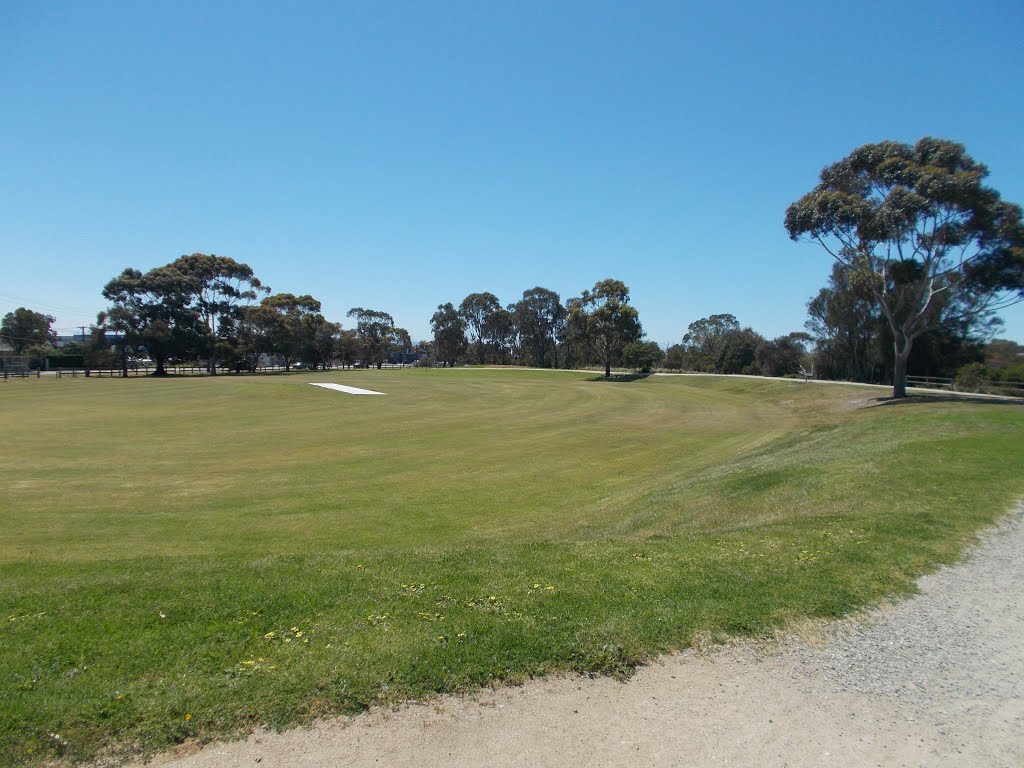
x,y
924,257
598,327
213,309
205,308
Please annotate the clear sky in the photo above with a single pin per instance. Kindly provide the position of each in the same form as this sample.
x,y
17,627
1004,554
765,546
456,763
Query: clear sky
x,y
397,155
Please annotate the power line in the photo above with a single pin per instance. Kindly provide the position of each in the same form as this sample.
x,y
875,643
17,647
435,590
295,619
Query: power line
x,y
46,305
8,337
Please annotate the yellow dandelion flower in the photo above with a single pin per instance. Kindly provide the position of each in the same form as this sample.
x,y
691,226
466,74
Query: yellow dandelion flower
x,y
188,715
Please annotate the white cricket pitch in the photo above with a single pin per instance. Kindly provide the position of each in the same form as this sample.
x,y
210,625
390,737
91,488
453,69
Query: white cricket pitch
x,y
350,390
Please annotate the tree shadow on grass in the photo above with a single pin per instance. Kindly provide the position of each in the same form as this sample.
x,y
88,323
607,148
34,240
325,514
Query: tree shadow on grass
x,y
911,400
623,378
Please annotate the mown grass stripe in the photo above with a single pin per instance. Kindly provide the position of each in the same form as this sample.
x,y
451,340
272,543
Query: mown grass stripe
x,y
165,542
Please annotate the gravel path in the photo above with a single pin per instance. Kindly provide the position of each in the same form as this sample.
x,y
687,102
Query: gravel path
x,y
937,680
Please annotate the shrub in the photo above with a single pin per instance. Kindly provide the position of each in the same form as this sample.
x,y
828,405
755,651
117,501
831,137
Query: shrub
x,y
971,377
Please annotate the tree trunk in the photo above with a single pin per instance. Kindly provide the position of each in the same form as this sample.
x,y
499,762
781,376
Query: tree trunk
x,y
899,375
607,368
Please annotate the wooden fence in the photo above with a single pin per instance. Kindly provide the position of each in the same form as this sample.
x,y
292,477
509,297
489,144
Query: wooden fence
x,y
1009,388
177,370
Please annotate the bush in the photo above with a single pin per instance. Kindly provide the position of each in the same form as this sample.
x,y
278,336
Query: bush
x,y
1011,373
971,377
67,361
642,355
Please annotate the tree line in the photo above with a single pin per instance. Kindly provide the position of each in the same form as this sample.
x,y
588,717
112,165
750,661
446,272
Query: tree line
x,y
215,310
598,327
924,257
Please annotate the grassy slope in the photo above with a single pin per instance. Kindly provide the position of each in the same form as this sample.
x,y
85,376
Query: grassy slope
x,y
471,525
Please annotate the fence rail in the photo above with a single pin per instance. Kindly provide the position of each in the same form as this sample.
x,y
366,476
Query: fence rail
x,y
930,382
177,370
1011,388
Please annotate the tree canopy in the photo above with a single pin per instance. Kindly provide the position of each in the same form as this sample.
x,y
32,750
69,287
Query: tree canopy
x,y
376,330
539,317
24,328
153,311
705,341
449,328
476,311
916,227
603,320
218,286
280,324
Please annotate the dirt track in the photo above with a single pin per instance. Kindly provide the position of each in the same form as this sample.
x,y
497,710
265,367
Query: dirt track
x,y
934,681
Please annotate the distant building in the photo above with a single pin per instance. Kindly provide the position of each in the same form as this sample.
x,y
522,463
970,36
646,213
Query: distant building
x,y
77,338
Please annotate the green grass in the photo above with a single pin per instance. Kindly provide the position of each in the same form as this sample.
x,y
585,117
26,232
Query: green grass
x,y
165,542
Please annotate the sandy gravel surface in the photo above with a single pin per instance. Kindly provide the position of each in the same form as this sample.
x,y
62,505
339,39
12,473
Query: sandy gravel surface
x,y
937,680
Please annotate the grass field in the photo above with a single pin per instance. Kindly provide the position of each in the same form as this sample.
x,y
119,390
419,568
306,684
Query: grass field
x,y
182,559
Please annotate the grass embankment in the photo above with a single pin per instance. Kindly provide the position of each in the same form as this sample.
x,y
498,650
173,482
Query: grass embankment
x,y
182,559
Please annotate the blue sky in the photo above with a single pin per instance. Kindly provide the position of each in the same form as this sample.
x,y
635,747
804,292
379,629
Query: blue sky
x,y
397,155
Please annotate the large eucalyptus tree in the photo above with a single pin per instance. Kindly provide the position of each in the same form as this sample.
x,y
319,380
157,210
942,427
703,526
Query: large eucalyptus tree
x,y
604,321
219,287
915,226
